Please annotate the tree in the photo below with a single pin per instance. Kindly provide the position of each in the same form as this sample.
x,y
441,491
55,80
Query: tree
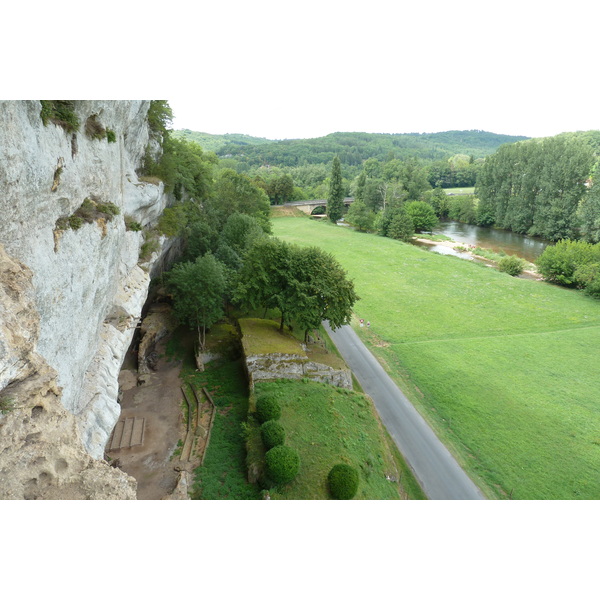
x,y
359,189
238,193
401,226
265,276
335,198
198,288
422,215
589,214
360,215
280,189
306,285
320,289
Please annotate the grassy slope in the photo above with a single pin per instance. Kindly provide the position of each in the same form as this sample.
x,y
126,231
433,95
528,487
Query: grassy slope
x,y
501,366
329,425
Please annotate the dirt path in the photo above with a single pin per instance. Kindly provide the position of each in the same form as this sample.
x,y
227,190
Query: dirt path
x,y
158,402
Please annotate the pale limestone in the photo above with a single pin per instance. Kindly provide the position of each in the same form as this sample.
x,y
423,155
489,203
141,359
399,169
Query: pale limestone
x,y
88,287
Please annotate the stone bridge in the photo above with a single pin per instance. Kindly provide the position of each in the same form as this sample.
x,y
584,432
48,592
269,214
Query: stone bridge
x,y
308,206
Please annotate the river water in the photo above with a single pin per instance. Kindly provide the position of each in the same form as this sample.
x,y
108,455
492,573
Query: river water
x,y
496,240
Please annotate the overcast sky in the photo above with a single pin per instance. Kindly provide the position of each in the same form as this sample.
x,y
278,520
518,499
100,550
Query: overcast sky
x,y
289,70
303,69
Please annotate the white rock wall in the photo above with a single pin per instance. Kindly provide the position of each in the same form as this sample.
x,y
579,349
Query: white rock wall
x,y
88,287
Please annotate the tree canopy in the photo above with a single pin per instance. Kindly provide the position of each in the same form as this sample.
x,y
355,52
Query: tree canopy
x,y
307,285
198,288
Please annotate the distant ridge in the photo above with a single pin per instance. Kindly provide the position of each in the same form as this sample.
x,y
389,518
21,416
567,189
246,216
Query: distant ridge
x,y
353,148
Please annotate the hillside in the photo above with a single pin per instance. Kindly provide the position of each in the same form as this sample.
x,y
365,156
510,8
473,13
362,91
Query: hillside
x,y
214,143
352,148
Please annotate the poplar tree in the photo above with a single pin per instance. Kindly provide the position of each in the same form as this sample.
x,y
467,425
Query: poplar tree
x,y
335,199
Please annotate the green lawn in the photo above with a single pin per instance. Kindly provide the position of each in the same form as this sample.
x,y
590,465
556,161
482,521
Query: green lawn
x,y
503,368
460,191
329,425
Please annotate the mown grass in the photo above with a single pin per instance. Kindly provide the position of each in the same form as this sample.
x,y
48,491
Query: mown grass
x,y
329,425
502,367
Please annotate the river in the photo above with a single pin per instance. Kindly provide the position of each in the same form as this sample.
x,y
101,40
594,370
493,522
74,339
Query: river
x,y
496,240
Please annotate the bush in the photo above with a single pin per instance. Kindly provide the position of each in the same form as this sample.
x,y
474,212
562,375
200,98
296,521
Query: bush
x,y
60,112
282,464
343,482
267,409
94,129
512,265
109,209
272,434
75,222
561,262
111,136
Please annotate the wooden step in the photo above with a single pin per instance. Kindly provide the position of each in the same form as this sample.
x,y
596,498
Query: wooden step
x,y
127,431
115,443
137,434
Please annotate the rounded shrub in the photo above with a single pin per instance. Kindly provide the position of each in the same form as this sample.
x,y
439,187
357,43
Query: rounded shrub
x,y
343,482
282,464
512,265
267,409
272,434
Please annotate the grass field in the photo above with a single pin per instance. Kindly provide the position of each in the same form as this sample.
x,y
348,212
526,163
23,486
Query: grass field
x,y
460,191
504,368
329,425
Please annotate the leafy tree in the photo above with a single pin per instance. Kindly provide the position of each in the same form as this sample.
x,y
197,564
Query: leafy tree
x,y
589,214
265,277
307,285
320,289
422,215
198,288
237,193
335,198
240,231
160,116
401,226
360,215
359,190
280,189
439,200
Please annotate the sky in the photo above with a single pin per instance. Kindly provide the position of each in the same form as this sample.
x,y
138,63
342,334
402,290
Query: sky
x,y
305,69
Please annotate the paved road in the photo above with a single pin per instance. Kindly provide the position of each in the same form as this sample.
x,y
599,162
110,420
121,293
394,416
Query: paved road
x,y
436,469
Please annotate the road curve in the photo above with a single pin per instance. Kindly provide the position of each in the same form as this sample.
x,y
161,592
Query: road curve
x,y
437,471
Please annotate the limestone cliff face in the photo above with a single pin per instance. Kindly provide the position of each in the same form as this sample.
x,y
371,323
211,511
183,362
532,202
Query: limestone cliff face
x,y
41,455
87,285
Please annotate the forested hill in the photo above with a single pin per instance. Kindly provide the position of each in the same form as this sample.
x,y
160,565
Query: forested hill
x,y
214,143
352,148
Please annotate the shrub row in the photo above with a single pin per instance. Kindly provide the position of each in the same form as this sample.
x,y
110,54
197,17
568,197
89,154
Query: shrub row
x,y
282,463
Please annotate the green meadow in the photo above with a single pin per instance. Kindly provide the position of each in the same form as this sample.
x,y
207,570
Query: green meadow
x,y
505,369
328,425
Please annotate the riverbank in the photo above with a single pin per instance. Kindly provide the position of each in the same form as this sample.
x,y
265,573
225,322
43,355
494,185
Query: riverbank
x,y
529,272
